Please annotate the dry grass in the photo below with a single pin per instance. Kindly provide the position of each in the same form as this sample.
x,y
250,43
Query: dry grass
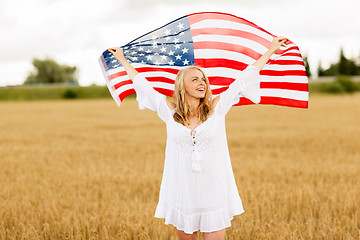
x,y
86,169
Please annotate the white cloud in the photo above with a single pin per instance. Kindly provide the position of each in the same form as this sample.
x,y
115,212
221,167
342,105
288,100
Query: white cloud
x,y
76,32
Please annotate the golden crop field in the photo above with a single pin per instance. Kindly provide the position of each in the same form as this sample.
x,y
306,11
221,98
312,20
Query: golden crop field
x,y
86,169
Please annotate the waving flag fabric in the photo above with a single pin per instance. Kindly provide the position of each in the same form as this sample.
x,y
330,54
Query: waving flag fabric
x,y
221,44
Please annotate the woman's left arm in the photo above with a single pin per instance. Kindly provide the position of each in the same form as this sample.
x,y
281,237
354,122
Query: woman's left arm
x,y
276,44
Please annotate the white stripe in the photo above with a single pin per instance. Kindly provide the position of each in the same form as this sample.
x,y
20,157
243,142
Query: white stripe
x,y
278,67
290,94
138,65
216,23
231,40
223,54
232,73
291,79
218,53
163,85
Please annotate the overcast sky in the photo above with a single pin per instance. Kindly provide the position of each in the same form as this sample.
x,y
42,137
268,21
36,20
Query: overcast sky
x,y
76,32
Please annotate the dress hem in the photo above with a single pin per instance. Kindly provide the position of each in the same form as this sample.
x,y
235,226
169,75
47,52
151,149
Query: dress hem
x,y
209,223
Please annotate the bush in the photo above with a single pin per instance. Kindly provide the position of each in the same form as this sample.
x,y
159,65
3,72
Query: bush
x,y
334,87
69,94
347,83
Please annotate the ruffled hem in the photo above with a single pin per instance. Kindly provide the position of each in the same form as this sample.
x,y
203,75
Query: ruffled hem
x,y
205,222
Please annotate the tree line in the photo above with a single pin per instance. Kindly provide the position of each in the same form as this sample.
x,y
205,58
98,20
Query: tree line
x,y
48,71
344,66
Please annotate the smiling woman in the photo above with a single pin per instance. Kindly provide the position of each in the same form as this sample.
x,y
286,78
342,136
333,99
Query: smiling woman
x,y
198,189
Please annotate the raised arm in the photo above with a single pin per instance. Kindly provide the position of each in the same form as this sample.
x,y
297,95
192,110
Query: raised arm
x,y
119,55
141,85
247,82
276,44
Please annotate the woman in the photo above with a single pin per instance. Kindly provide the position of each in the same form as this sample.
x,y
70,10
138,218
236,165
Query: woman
x,y
198,190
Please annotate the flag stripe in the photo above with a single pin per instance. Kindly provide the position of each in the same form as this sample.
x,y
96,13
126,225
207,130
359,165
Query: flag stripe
x,y
222,45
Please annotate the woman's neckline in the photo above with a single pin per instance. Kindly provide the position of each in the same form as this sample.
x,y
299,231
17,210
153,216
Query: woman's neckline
x,y
198,126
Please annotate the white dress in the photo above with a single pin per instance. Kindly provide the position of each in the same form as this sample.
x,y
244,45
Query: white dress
x,y
198,189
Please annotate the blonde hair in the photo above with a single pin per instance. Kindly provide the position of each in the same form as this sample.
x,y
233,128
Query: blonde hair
x,y
182,109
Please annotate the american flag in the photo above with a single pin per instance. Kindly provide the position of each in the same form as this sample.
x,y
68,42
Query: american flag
x,y
221,44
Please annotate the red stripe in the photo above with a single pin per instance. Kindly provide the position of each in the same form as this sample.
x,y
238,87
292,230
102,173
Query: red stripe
x,y
208,63
285,85
231,32
276,100
197,17
228,47
286,62
116,75
122,83
128,92
215,80
145,69
166,92
161,79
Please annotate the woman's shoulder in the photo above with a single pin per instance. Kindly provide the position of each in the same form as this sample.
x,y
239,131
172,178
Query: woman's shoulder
x,y
215,101
170,104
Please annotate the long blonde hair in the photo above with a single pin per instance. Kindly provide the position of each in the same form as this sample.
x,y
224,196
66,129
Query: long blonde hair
x,y
182,109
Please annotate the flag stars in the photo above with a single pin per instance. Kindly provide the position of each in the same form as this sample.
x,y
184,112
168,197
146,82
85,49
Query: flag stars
x,y
163,49
171,53
141,48
171,62
180,26
163,57
186,62
176,40
149,58
178,57
148,51
185,50
157,62
167,32
177,46
167,38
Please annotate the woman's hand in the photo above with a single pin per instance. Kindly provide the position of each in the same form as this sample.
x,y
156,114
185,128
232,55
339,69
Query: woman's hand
x,y
277,43
117,52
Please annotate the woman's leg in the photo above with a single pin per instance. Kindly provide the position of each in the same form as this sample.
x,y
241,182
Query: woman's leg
x,y
218,235
184,236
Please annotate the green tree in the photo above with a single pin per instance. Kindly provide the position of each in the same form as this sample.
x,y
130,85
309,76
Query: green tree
x,y
49,71
307,66
344,66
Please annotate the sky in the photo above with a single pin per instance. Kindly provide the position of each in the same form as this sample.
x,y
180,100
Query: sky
x,y
76,32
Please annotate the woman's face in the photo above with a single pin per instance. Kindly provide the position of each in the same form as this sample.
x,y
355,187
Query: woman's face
x,y
194,83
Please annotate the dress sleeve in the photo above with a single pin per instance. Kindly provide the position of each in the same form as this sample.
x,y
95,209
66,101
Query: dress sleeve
x,y
246,84
149,98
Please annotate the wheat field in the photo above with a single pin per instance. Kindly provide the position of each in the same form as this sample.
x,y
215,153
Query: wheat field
x,y
86,169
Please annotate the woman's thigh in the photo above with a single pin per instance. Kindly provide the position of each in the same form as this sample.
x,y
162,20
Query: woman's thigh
x,y
218,235
184,236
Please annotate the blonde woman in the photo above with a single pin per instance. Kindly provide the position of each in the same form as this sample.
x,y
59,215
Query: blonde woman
x,y
198,190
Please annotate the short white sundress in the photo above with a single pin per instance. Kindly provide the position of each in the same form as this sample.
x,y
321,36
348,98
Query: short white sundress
x,y
198,189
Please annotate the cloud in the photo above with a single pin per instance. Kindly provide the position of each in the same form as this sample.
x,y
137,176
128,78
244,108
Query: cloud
x,y
76,32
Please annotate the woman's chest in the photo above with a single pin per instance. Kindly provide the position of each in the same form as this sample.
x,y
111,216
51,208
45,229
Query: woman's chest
x,y
200,137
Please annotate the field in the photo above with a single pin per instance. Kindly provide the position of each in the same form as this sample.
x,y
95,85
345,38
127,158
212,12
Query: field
x,y
86,169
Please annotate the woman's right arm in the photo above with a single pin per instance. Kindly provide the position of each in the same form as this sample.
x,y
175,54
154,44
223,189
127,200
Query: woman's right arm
x,y
146,95
119,55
